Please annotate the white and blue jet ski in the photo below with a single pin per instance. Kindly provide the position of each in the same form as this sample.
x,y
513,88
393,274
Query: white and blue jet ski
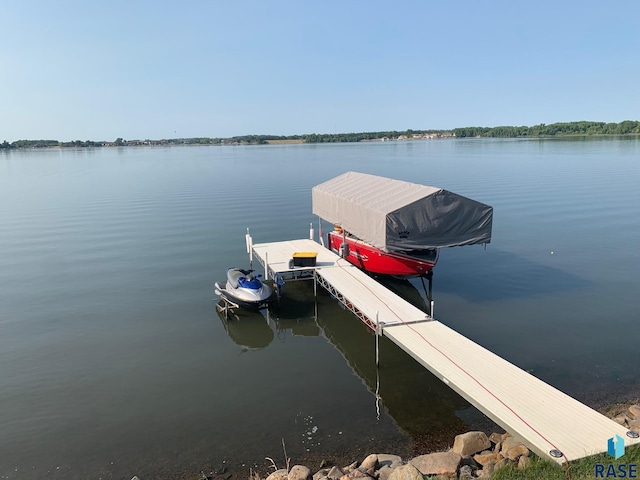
x,y
244,289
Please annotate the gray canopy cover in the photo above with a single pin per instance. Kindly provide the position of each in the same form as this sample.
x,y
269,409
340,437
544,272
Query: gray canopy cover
x,y
396,215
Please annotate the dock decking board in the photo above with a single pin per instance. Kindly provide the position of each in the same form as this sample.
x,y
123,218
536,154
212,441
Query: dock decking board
x,y
544,417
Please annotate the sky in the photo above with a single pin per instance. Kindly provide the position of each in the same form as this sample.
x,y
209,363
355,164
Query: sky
x,y
78,70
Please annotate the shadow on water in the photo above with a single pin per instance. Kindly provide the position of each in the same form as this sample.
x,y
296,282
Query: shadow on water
x,y
493,275
419,403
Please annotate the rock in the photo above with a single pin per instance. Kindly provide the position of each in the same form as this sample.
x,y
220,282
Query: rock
x,y
514,453
505,462
485,458
335,473
466,473
385,472
622,420
634,411
135,477
278,475
350,468
326,463
357,473
487,470
468,461
442,463
470,443
406,472
508,443
496,437
634,425
497,448
321,473
524,461
370,463
299,472
392,461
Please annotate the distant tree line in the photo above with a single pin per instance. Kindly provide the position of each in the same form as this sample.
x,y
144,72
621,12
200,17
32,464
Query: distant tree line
x,y
628,127
555,129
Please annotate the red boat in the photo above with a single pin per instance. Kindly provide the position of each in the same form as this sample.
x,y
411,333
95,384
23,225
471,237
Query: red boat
x,y
400,264
392,227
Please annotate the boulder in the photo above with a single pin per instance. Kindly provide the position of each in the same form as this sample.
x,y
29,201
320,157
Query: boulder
x,y
634,411
370,463
466,473
392,461
485,458
406,472
470,443
508,443
622,420
357,473
486,471
514,453
634,425
441,463
496,437
299,472
385,472
350,468
335,473
524,461
505,462
278,475
321,474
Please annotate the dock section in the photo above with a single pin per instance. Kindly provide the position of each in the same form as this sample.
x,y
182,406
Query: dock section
x,y
551,423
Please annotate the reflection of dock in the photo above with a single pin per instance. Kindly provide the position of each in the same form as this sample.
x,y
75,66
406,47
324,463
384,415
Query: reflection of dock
x,y
551,423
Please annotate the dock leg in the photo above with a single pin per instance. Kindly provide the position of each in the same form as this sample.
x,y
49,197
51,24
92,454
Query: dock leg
x,y
428,292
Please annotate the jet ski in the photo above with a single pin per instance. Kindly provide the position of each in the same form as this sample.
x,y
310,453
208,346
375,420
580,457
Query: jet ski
x,y
244,289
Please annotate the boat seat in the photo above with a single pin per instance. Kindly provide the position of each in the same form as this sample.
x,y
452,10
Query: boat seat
x,y
233,275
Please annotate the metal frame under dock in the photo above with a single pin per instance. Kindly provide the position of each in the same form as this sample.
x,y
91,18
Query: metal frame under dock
x,y
551,423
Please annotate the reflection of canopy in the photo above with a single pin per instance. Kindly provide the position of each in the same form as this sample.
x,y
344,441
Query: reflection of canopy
x,y
396,215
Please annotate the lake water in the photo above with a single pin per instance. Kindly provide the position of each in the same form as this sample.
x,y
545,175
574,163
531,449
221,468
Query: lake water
x,y
114,361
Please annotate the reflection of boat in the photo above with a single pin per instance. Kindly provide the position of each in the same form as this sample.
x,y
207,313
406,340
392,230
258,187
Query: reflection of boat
x,y
395,227
247,328
244,289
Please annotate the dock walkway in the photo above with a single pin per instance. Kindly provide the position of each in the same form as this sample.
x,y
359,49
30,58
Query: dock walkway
x,y
549,422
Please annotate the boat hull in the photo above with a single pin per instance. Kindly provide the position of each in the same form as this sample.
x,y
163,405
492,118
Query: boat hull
x,y
376,261
255,300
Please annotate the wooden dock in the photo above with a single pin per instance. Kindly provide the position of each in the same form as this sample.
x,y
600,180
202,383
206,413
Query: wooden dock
x,y
551,423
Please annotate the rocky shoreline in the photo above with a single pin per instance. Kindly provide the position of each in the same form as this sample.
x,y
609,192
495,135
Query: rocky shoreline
x,y
473,455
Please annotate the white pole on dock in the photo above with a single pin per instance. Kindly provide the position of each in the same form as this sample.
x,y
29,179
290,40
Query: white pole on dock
x,y
432,304
312,234
320,236
266,265
377,340
247,238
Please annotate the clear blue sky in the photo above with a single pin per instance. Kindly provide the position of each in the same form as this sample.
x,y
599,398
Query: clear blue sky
x,y
140,69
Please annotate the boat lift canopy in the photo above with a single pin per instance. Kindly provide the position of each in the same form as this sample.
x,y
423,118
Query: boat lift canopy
x,y
395,215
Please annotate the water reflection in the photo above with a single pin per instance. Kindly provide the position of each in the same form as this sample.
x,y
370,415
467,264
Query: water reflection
x,y
419,403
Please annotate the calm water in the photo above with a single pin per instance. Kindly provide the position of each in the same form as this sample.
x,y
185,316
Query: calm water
x,y
114,362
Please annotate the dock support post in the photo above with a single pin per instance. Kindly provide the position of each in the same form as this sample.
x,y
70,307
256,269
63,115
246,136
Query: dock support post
x,y
428,292
249,242
312,233
378,334
266,265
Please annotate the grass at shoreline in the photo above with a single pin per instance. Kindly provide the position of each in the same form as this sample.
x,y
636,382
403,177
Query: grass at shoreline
x,y
580,469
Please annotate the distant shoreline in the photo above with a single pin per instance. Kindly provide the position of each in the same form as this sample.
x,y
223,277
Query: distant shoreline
x,y
570,129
